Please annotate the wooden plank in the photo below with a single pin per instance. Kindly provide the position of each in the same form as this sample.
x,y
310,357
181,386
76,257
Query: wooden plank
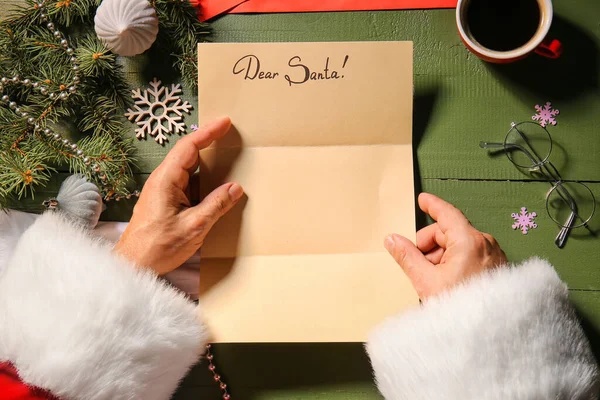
x,y
6,6
287,371
344,392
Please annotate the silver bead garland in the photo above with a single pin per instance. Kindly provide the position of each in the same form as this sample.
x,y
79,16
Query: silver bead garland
x,y
69,146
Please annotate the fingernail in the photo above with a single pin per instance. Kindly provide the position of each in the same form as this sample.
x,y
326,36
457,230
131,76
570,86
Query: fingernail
x,y
222,120
215,123
235,192
389,243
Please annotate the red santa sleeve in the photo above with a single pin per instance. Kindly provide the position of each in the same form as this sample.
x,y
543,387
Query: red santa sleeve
x,y
13,388
81,323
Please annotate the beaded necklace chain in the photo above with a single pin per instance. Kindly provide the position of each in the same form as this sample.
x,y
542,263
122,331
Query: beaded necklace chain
x,y
213,369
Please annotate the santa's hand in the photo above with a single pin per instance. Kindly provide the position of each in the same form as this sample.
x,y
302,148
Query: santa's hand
x,y
165,229
447,252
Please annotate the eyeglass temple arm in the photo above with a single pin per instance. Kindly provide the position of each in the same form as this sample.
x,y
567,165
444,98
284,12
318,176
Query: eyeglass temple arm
x,y
490,145
496,145
563,234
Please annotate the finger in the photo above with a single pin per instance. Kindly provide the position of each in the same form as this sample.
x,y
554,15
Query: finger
x,y
435,256
490,238
203,216
183,159
185,153
406,254
430,237
446,215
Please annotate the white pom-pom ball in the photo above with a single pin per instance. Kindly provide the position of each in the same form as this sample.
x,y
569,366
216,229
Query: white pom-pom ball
x,y
128,27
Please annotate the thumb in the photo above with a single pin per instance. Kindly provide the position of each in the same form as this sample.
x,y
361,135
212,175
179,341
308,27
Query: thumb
x,y
215,205
408,256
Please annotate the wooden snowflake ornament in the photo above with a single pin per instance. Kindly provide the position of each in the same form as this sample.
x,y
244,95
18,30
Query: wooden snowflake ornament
x,y
158,111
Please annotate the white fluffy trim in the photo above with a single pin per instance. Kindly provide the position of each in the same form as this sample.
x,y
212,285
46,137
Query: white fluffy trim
x,y
506,334
84,324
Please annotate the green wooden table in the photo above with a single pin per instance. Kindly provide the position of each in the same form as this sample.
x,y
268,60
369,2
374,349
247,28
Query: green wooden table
x,y
458,101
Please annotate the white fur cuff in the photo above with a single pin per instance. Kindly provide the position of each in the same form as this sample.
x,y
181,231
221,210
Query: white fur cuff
x,y
506,334
84,324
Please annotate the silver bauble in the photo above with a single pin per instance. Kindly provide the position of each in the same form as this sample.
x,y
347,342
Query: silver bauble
x,y
80,199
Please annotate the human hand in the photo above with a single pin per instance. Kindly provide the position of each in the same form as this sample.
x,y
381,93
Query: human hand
x,y
447,252
166,229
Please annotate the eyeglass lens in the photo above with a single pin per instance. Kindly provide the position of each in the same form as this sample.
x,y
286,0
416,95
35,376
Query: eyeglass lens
x,y
528,145
570,204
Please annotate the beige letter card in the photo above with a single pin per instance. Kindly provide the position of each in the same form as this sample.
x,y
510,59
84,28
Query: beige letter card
x,y
321,143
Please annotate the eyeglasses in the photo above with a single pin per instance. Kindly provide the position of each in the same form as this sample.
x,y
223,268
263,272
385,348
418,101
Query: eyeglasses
x,y
570,205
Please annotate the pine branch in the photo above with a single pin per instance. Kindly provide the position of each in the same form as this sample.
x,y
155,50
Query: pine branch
x,y
181,31
92,114
94,57
20,173
69,12
99,116
187,62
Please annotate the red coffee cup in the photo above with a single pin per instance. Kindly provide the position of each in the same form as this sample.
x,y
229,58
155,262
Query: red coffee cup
x,y
471,25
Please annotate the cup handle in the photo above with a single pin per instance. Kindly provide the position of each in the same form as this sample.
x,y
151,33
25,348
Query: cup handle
x,y
550,48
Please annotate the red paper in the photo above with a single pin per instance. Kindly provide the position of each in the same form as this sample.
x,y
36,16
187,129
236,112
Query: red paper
x,y
212,8
208,9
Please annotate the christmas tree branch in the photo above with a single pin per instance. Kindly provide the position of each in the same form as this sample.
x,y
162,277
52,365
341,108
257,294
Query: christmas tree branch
x,y
49,114
180,30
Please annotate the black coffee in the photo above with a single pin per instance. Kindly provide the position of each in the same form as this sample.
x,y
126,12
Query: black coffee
x,y
503,25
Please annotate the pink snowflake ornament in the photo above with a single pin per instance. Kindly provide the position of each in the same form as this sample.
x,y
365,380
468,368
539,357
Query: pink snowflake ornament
x,y
524,220
545,115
